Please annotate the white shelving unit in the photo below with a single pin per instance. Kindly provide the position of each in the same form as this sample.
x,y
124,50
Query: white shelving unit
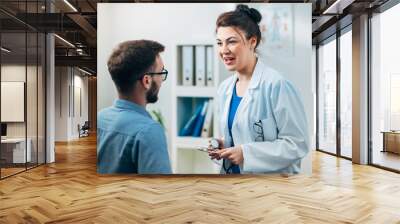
x,y
190,142
186,158
192,91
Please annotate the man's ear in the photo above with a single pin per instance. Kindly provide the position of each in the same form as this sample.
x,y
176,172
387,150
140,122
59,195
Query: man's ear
x,y
146,81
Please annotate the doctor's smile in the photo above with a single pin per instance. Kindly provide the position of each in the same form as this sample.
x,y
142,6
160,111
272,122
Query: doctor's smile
x,y
229,60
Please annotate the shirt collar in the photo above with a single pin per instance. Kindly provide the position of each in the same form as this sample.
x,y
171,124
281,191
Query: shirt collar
x,y
255,78
128,105
257,73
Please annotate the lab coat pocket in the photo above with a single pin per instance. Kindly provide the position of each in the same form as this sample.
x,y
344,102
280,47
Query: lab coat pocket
x,y
270,129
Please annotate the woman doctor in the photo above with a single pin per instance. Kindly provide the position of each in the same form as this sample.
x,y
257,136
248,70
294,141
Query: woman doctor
x,y
263,121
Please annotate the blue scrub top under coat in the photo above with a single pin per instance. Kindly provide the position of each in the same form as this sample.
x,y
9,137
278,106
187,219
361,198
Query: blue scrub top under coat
x,y
232,109
235,101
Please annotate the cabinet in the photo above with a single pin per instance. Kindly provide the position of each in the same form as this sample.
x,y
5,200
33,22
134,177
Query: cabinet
x,y
187,96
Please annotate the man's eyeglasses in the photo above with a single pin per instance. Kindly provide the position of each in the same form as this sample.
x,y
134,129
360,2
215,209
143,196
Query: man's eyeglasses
x,y
258,128
163,73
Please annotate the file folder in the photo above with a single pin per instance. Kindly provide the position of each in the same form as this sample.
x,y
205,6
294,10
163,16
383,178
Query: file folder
x,y
209,66
206,130
200,65
187,65
200,121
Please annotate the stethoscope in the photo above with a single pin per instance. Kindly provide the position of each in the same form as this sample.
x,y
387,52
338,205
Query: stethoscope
x,y
214,144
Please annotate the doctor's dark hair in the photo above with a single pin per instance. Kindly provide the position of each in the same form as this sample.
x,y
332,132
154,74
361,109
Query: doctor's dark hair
x,y
244,18
130,60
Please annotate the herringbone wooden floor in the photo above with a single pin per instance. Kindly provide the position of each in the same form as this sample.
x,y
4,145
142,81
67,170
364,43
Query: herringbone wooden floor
x,y
70,191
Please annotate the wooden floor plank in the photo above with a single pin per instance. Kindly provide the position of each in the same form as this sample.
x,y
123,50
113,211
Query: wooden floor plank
x,y
70,191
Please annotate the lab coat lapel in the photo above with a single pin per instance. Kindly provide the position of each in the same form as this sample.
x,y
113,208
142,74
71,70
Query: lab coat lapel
x,y
228,97
248,97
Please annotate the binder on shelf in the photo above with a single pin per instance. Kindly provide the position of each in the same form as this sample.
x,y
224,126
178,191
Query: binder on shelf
x,y
209,66
200,121
187,130
200,65
206,130
187,65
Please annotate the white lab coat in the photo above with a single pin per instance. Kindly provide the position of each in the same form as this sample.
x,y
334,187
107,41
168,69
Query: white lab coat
x,y
277,103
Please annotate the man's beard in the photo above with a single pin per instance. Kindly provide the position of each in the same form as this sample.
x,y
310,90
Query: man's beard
x,y
152,93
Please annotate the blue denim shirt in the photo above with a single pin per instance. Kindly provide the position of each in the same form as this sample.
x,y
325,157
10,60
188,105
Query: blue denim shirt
x,y
130,141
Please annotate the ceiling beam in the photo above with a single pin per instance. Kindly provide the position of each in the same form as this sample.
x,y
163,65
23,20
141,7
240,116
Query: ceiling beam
x,y
84,24
82,61
337,7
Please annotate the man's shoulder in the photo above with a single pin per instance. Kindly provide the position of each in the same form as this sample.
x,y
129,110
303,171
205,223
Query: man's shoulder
x,y
134,122
104,114
123,114
152,128
127,122
104,111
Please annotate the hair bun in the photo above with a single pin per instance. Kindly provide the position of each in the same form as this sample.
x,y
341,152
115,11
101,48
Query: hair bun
x,y
254,14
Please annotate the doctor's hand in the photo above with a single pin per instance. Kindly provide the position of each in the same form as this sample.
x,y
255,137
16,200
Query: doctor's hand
x,y
213,152
234,154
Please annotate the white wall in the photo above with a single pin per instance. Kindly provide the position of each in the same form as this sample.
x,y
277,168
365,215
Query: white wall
x,y
173,24
67,81
12,73
80,83
297,67
17,73
61,103
33,126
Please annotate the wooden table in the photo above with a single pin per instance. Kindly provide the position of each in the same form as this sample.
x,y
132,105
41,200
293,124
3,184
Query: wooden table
x,y
391,141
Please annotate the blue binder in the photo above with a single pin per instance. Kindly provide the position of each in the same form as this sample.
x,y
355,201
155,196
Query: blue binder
x,y
188,129
200,120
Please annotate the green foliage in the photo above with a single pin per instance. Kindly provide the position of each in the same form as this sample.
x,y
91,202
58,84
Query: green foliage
x,y
157,116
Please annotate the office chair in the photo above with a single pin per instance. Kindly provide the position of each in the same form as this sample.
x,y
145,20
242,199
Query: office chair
x,y
84,130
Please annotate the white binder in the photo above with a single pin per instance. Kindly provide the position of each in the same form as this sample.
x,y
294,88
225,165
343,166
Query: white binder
x,y
200,65
207,125
187,65
209,66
